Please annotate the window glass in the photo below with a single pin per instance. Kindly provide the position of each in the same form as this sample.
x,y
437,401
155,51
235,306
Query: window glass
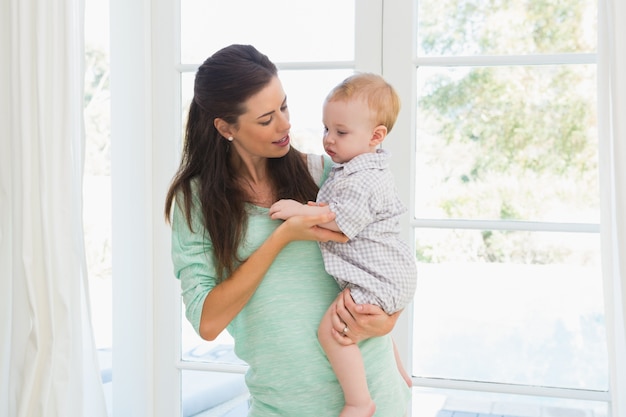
x,y
186,91
510,307
214,394
218,351
286,31
97,175
429,402
505,27
508,143
306,91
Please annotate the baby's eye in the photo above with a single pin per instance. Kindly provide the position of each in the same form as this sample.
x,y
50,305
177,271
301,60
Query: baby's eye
x,y
341,132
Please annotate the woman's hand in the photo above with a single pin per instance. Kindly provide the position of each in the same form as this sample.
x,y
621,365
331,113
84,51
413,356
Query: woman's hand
x,y
307,228
353,322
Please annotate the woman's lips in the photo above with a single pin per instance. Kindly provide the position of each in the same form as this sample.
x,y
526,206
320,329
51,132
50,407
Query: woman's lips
x,y
283,142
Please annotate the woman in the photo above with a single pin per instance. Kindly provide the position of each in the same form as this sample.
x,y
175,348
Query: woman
x,y
264,279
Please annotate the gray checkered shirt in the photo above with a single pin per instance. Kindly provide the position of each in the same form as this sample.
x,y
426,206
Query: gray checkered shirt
x,y
375,264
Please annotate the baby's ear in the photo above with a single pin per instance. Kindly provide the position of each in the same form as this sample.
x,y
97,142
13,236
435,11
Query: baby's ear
x,y
380,132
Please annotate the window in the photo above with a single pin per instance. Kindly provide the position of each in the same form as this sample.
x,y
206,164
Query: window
x,y
506,207
97,183
310,61
496,151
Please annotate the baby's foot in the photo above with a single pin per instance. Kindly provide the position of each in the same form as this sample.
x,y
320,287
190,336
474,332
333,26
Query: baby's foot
x,y
365,410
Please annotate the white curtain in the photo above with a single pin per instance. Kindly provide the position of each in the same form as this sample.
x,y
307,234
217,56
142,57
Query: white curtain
x,y
612,130
48,361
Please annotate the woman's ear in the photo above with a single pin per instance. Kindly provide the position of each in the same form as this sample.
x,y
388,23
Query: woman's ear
x,y
224,128
380,132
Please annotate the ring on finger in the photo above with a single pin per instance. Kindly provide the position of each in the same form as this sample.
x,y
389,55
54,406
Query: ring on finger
x,y
345,330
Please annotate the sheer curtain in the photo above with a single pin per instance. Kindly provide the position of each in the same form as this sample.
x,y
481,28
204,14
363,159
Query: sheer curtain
x,y
48,362
612,129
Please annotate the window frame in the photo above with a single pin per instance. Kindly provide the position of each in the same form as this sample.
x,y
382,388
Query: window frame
x,y
400,65
146,116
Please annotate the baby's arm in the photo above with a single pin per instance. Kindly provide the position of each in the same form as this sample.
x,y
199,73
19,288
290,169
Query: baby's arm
x,y
285,209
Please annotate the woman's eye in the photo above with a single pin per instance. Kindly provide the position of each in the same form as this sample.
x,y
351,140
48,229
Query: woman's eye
x,y
267,123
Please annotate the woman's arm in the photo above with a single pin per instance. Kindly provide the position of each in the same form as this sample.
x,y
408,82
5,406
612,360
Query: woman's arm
x,y
285,209
229,297
362,320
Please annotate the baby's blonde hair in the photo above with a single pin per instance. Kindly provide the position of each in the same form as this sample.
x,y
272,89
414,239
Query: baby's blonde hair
x,y
380,96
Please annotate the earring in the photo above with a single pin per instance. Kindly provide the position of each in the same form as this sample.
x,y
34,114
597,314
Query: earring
x,y
230,138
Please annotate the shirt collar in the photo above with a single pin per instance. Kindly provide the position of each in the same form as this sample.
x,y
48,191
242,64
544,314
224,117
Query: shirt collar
x,y
370,160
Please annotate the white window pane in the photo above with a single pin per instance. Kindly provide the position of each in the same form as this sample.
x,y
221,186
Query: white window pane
x,y
97,173
306,91
456,403
186,91
477,27
214,394
196,349
507,143
284,30
510,307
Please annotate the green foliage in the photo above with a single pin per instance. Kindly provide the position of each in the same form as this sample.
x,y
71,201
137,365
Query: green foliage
x,y
510,143
460,27
557,25
516,119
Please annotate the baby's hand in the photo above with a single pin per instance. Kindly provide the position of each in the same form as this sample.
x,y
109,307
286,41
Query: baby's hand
x,y
284,209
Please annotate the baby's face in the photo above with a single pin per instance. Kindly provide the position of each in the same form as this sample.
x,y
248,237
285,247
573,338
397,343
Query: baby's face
x,y
348,129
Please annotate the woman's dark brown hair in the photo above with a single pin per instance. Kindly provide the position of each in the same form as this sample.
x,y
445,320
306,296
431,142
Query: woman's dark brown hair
x,y
222,84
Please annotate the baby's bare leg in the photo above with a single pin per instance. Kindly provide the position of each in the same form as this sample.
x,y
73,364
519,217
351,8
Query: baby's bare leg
x,y
401,369
347,363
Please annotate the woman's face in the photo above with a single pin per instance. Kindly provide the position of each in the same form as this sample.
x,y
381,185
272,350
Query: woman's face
x,y
263,130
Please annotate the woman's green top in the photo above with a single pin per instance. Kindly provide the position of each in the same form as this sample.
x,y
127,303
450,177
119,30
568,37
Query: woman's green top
x,y
276,332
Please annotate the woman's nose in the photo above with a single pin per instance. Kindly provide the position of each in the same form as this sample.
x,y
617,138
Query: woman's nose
x,y
284,124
